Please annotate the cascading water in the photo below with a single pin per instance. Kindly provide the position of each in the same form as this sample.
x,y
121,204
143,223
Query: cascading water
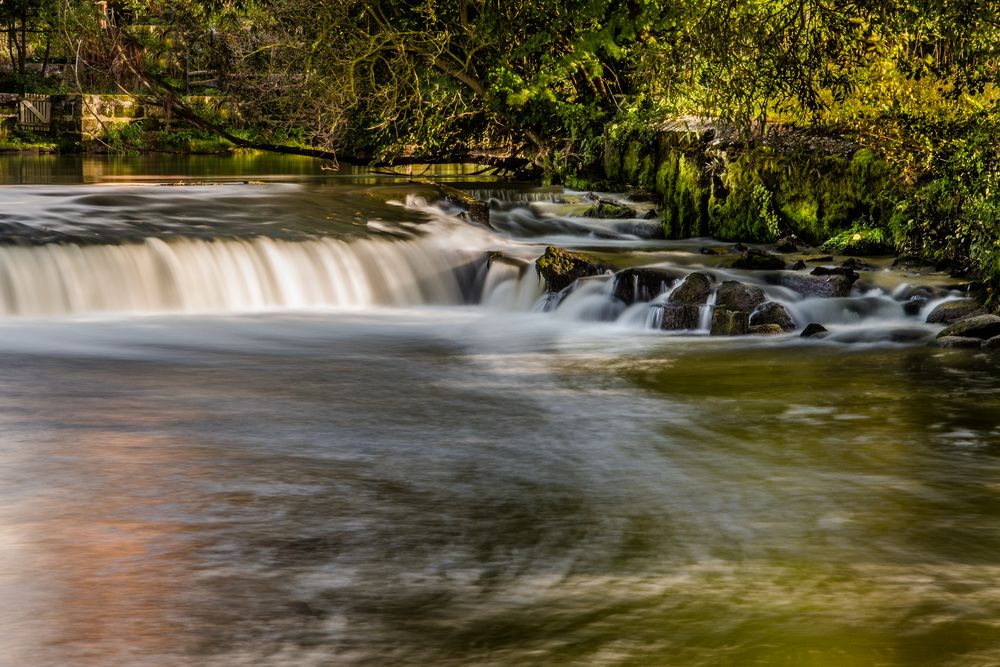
x,y
196,275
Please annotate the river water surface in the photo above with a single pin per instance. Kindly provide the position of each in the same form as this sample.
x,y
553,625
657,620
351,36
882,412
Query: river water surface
x,y
290,417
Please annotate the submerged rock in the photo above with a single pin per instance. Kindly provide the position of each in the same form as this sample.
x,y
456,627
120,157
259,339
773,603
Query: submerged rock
x,y
963,342
758,260
982,327
813,330
561,268
734,295
824,286
952,311
677,316
693,291
772,313
766,330
642,284
727,322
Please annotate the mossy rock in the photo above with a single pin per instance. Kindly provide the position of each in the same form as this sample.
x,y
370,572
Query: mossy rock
x,y
610,211
561,268
859,241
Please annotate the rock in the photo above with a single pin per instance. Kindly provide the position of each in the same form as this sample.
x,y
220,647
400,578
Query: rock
x,y
772,313
758,260
915,305
789,244
680,316
693,291
859,241
813,330
734,295
705,250
798,266
952,311
642,284
727,322
992,343
766,330
978,326
651,214
824,258
825,286
561,268
609,210
955,342
848,273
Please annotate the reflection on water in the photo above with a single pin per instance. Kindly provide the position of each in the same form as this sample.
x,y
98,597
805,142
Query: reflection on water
x,y
414,482
393,489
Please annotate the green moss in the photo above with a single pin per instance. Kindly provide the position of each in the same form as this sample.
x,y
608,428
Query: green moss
x,y
860,241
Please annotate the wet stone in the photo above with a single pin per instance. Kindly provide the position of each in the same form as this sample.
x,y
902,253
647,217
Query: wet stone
x,y
766,330
773,313
957,342
642,284
693,291
727,322
678,317
981,326
734,295
813,329
952,311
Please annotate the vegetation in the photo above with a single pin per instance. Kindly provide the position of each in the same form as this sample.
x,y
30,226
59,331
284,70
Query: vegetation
x,y
876,119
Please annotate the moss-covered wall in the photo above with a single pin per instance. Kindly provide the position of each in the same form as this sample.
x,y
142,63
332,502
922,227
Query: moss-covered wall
x,y
754,193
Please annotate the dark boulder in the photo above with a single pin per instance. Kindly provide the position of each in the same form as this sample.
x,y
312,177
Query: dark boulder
x,y
734,295
992,343
758,260
952,311
979,326
848,273
813,329
955,342
561,268
693,291
816,260
678,316
798,266
766,330
772,313
727,322
642,284
915,305
824,286
789,244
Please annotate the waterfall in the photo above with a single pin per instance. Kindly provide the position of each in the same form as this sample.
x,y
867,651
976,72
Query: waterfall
x,y
227,275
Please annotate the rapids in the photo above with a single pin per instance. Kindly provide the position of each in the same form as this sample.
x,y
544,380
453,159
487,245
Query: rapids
x,y
286,417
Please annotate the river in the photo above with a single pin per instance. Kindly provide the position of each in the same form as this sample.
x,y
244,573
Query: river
x,y
284,416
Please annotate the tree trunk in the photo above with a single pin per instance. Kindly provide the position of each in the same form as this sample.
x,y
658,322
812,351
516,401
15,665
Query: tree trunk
x,y
24,41
45,59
